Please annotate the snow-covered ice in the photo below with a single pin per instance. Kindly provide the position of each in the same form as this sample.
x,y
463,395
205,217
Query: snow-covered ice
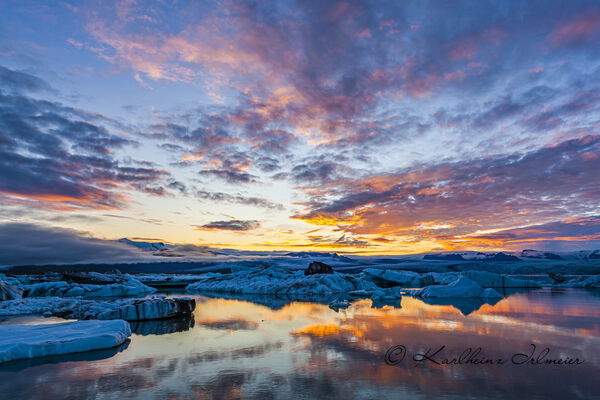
x,y
492,280
281,282
157,307
8,291
388,276
129,287
462,287
28,341
591,282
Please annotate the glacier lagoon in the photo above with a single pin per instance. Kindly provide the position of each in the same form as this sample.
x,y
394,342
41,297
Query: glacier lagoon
x,y
236,348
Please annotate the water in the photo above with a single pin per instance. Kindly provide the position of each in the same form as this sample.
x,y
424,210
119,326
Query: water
x,y
236,349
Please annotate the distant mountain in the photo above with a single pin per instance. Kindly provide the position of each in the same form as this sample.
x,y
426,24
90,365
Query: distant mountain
x,y
594,255
540,254
317,254
445,257
471,256
148,246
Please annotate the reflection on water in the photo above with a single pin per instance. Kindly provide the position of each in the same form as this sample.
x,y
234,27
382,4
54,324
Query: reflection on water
x,y
238,349
162,326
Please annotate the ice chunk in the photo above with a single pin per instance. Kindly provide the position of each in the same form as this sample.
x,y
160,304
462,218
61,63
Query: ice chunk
x,y
492,280
128,309
388,277
129,287
29,341
9,292
591,282
281,282
339,304
462,287
385,297
149,309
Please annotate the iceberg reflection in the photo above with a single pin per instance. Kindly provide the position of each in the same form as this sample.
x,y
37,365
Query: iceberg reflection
x,y
240,349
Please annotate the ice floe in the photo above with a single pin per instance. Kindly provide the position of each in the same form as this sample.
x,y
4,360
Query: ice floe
x,y
158,307
28,341
461,287
9,292
338,304
492,280
587,282
128,287
387,277
281,282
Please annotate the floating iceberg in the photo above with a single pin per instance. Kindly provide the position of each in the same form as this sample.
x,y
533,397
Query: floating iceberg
x,y
127,309
9,292
462,287
388,277
168,280
339,304
492,280
28,341
386,297
591,282
128,287
281,282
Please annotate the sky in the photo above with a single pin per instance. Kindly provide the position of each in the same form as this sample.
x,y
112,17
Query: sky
x,y
367,127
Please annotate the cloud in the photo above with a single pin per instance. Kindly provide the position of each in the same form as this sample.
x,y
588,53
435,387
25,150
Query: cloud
x,y
59,157
28,244
229,176
567,235
453,199
238,199
17,81
578,28
231,225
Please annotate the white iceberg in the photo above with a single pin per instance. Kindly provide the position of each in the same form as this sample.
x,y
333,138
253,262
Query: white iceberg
x,y
28,341
462,287
128,287
492,280
128,309
388,276
587,282
281,282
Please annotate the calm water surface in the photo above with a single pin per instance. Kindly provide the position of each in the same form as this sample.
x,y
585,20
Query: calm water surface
x,y
236,349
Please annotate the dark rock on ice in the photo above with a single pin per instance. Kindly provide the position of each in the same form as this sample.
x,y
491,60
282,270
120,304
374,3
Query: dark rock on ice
x,y
557,278
317,267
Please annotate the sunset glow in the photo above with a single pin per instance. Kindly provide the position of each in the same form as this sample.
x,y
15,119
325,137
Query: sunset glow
x,y
346,126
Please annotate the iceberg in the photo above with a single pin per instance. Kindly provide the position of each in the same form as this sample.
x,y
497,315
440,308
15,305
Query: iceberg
x,y
591,282
338,304
462,287
128,309
278,281
19,342
388,277
128,287
9,292
386,297
492,280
